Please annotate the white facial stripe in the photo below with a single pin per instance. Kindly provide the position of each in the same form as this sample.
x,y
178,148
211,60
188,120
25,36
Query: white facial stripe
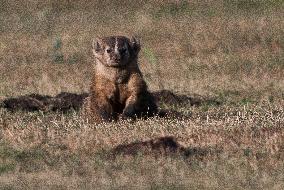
x,y
116,46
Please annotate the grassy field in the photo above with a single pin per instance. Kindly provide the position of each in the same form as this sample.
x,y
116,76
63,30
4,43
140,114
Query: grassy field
x,y
227,51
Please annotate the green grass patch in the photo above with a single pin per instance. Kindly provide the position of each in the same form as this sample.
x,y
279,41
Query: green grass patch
x,y
252,6
7,167
173,9
7,152
150,55
185,9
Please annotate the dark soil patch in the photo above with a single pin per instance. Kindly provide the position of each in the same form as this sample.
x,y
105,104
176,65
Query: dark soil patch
x,y
66,101
159,146
35,102
162,147
170,98
32,102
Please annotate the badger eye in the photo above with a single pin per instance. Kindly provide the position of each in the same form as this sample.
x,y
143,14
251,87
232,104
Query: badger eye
x,y
108,50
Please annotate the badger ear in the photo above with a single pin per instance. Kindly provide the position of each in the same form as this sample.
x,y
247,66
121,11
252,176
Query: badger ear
x,y
135,44
97,47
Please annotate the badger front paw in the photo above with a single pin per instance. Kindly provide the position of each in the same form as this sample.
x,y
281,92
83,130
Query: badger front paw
x,y
128,112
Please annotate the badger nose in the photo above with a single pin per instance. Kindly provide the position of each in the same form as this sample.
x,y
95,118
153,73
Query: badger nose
x,y
117,58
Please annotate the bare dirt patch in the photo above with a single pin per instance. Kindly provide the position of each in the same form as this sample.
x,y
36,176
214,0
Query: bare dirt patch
x,y
158,146
36,102
66,101
166,146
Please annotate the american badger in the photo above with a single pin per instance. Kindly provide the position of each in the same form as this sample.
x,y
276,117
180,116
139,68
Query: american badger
x,y
118,89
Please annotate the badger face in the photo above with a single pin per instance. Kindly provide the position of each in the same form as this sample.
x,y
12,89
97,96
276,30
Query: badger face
x,y
115,51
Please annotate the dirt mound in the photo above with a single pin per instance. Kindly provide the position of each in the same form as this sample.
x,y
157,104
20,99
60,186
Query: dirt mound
x,y
170,98
162,147
35,102
66,101
32,102
158,146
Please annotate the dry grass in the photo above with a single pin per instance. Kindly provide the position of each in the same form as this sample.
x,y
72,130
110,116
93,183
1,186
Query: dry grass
x,y
55,151
191,43
226,50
